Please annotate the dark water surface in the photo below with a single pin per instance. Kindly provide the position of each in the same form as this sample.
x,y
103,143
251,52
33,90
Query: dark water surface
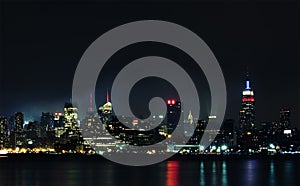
x,y
64,172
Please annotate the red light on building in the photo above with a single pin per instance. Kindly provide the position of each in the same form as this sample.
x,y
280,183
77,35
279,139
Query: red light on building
x,y
135,122
251,99
171,102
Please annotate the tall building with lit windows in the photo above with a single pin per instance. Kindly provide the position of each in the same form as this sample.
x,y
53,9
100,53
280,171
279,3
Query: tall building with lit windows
x,y
247,139
19,122
70,137
3,132
173,115
58,120
247,112
70,116
17,137
46,123
106,110
285,115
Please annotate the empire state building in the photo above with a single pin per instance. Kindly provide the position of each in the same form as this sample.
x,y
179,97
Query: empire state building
x,y
247,112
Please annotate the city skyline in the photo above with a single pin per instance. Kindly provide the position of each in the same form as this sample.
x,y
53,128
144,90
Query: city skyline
x,y
247,91
66,133
244,122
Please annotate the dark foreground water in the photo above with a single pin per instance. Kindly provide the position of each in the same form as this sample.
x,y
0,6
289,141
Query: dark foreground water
x,y
84,172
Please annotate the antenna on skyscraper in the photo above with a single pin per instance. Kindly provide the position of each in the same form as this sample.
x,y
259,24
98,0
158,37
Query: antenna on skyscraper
x,y
247,78
247,72
91,102
107,96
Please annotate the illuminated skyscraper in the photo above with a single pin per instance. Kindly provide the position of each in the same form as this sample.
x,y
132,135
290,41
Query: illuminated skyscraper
x,y
189,125
107,107
190,118
70,137
3,132
105,111
17,136
70,116
247,112
19,121
173,115
58,120
46,123
284,118
247,139
33,133
58,124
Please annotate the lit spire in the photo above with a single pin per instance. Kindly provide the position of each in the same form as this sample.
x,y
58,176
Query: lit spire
x,y
190,117
247,72
247,79
248,85
91,102
107,96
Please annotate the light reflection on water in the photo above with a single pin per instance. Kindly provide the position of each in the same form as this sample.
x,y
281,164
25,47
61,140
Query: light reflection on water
x,y
170,173
224,173
250,172
202,172
272,173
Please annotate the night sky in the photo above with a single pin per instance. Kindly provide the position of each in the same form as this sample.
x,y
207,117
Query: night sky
x,y
42,43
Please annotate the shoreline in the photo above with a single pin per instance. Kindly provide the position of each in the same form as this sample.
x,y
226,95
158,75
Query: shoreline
x,y
200,157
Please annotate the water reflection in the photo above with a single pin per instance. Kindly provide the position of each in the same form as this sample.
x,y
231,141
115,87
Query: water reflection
x,y
213,173
289,171
271,173
250,172
224,173
172,173
202,172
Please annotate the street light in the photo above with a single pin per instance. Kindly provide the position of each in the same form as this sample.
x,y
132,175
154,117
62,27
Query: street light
x,y
224,147
272,146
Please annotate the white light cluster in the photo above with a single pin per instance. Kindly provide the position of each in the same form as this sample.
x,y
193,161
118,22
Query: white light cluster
x,y
248,92
212,117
